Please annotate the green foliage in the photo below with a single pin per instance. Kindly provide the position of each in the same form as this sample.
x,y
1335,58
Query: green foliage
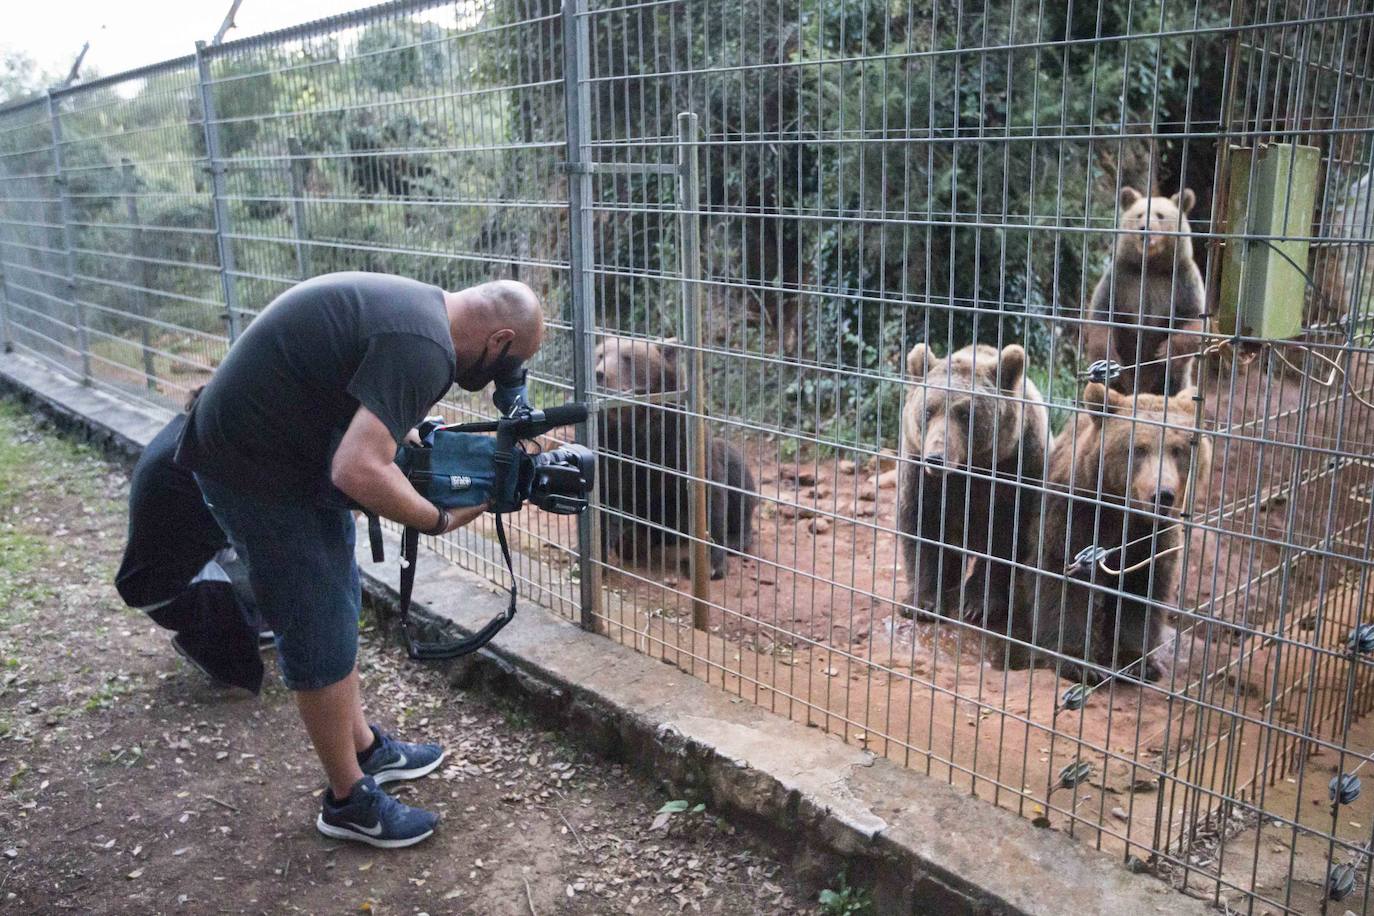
x,y
846,901
20,75
897,197
876,173
400,56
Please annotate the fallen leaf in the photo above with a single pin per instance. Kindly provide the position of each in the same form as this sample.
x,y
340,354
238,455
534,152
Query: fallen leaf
x,y
134,874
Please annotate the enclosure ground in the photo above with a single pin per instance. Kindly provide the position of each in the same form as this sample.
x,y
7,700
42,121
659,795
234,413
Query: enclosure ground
x,y
129,785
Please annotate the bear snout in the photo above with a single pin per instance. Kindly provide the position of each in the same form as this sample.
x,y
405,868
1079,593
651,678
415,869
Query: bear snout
x,y
934,464
1161,499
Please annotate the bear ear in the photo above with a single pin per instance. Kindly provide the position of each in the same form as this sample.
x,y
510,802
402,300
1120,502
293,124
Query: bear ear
x,y
668,346
1184,399
1011,367
1099,399
918,360
1129,196
1185,200
1095,400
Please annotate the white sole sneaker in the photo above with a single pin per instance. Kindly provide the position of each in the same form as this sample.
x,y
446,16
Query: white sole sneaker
x,y
386,776
343,833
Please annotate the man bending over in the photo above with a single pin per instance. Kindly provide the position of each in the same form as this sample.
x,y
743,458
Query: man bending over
x,y
357,359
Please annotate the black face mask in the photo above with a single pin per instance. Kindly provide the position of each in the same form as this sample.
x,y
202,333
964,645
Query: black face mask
x,y
481,373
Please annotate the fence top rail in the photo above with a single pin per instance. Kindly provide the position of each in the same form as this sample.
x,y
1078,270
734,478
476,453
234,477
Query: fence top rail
x,y
304,30
328,24
16,105
142,72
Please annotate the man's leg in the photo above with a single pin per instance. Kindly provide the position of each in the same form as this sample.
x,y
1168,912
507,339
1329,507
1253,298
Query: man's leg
x,y
302,573
363,739
333,717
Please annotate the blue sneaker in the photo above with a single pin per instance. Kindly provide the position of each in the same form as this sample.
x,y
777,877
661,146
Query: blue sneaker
x,y
371,816
392,760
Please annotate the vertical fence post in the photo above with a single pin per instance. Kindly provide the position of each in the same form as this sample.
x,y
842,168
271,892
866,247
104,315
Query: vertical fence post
x,y
298,227
215,160
6,341
577,105
141,285
6,338
65,208
689,247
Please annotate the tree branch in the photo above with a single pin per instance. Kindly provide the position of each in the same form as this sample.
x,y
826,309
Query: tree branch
x,y
228,22
76,66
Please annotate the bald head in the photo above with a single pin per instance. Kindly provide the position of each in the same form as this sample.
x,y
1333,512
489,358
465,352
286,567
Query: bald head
x,y
493,325
501,305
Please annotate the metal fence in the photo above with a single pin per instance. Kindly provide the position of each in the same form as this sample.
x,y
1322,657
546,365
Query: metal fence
x,y
764,232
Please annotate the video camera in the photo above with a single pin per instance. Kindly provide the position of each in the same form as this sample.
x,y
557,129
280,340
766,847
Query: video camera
x,y
461,466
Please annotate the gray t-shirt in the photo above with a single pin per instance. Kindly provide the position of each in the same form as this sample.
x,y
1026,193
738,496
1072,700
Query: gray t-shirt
x,y
275,408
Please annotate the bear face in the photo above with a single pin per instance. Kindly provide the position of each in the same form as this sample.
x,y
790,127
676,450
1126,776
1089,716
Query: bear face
x,y
967,412
1144,444
1143,217
635,366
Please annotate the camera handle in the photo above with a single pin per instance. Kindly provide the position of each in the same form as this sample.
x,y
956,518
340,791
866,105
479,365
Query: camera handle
x,y
410,550
451,648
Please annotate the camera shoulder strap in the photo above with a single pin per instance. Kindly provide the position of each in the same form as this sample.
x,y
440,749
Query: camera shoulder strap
x,y
410,550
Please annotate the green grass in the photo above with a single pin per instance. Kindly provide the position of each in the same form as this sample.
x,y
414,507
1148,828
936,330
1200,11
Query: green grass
x,y
29,468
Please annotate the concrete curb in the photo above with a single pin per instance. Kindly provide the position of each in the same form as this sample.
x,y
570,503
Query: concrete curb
x,y
923,846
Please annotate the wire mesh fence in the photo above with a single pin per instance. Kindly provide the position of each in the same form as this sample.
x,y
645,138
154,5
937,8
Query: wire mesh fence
x,y
986,385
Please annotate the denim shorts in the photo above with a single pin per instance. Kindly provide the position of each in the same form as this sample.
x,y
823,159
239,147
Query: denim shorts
x,y
304,577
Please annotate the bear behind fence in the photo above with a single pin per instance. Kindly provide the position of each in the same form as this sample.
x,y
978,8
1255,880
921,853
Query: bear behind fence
x,y
975,437
1119,479
1147,307
643,446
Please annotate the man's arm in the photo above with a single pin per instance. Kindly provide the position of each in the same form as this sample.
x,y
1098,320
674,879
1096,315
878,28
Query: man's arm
x,y
364,468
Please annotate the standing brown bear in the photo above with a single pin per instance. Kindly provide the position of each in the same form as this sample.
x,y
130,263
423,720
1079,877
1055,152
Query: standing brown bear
x,y
643,462
1152,290
1118,480
975,437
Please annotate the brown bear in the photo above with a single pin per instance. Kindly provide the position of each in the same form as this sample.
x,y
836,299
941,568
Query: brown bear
x,y
1148,306
643,462
1118,480
975,435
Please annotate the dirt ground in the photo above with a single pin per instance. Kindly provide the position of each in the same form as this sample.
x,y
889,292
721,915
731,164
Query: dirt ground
x,y
128,784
